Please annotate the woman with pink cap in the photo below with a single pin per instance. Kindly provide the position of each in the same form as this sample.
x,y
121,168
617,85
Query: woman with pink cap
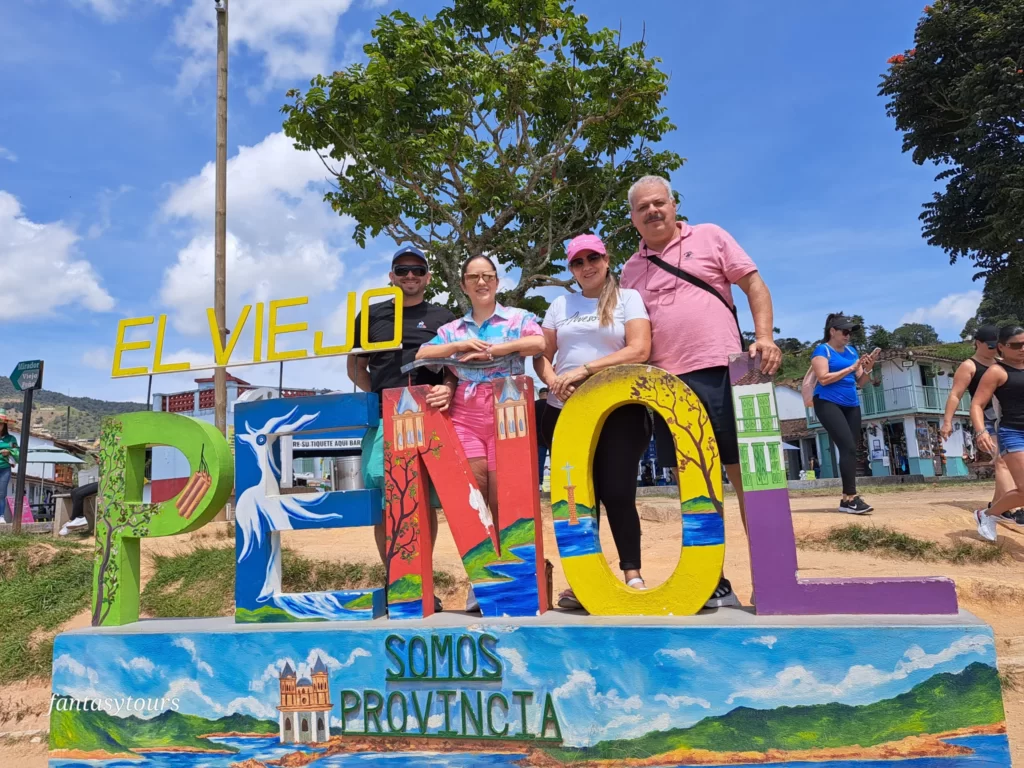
x,y
584,333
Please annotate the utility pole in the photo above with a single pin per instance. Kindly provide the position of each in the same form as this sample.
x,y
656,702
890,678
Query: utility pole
x,y
220,389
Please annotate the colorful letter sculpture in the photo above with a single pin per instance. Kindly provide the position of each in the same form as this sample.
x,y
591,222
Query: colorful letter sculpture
x,y
503,554
574,506
121,516
262,511
770,525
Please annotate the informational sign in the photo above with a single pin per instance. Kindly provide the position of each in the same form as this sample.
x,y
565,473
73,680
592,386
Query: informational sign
x,y
328,444
27,375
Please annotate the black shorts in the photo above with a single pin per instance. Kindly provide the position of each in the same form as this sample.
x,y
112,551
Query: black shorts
x,y
712,386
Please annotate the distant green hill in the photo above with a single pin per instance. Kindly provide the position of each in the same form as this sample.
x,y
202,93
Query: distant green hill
x,y
698,504
941,703
50,410
560,510
87,730
482,555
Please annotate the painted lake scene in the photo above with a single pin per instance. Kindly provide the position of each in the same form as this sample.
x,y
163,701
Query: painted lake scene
x,y
499,694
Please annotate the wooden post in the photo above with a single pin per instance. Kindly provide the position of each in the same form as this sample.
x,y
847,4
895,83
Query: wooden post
x,y
220,215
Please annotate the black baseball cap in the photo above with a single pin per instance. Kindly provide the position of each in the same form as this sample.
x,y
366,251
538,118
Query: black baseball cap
x,y
409,250
842,323
987,334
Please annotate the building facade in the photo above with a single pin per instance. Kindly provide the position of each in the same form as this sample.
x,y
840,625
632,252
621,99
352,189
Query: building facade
x,y
305,706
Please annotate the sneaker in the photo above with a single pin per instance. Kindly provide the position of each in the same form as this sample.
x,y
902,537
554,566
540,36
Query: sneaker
x,y
986,525
438,607
1018,516
1014,518
723,596
567,600
472,606
855,506
78,522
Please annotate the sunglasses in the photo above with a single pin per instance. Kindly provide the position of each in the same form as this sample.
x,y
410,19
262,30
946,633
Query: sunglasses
x,y
1016,346
405,270
592,258
486,277
844,331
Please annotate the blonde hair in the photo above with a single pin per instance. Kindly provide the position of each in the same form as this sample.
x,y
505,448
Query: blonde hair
x,y
608,300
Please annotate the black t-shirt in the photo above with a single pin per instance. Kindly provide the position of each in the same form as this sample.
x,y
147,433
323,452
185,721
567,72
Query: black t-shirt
x,y
539,407
419,325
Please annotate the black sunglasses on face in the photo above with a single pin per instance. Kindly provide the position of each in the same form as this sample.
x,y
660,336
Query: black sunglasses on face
x,y
1016,346
592,258
844,331
405,270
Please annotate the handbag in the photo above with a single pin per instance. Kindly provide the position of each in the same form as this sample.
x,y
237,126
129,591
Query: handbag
x,y
696,281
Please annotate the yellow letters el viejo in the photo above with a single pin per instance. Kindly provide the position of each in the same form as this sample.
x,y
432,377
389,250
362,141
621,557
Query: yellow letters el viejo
x,y
271,328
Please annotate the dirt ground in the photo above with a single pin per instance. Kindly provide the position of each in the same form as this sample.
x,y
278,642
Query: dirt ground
x,y
993,592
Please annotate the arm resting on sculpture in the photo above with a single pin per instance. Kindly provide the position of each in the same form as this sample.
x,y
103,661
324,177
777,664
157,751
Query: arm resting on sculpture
x,y
760,300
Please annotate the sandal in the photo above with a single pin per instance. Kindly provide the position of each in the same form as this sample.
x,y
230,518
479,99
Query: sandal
x,y
568,601
637,583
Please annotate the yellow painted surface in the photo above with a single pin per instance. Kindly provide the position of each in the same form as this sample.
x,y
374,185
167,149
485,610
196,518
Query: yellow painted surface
x,y
364,340
599,590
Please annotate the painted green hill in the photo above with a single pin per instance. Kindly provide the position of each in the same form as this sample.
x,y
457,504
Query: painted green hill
x,y
560,510
479,557
698,504
941,703
88,730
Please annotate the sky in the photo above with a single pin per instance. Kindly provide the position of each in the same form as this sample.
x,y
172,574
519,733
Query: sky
x,y
594,675
107,140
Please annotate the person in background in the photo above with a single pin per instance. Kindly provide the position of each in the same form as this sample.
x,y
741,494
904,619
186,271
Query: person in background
x,y
378,371
839,371
78,497
966,379
8,458
487,332
585,333
813,466
693,325
1005,381
539,407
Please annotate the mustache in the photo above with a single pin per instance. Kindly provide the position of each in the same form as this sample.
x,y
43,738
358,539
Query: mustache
x,y
654,217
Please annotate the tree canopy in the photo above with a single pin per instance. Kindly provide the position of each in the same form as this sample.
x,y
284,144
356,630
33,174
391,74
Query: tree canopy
x,y
498,127
999,306
958,97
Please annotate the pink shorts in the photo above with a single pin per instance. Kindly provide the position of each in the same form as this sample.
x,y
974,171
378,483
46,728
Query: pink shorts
x,y
473,419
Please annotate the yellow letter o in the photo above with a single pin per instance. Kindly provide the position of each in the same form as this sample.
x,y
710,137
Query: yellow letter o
x,y
700,492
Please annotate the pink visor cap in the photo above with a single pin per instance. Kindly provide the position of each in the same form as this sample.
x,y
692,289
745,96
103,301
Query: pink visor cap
x,y
582,243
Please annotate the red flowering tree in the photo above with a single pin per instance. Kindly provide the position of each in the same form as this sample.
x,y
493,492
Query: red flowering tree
x,y
958,97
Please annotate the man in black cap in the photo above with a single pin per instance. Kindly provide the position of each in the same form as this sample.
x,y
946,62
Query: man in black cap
x,y
378,371
966,379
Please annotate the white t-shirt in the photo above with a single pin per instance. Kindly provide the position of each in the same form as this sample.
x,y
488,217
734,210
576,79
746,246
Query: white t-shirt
x,y
579,334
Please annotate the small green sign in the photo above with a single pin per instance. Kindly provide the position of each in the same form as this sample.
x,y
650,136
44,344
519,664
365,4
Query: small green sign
x,y
27,375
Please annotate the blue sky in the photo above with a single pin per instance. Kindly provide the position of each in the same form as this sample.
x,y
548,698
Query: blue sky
x,y
107,142
595,675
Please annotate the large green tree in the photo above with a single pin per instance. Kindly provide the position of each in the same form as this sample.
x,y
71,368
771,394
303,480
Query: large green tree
x,y
999,306
914,335
499,127
958,97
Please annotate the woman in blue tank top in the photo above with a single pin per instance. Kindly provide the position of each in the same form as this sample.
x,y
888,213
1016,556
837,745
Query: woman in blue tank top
x,y
1004,380
839,370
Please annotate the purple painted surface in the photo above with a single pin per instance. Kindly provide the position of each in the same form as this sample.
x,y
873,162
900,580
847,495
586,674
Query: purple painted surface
x,y
773,562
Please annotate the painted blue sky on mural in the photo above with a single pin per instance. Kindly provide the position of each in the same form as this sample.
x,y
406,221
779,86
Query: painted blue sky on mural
x,y
616,682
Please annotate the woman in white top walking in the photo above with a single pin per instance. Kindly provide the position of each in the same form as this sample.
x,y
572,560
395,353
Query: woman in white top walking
x,y
584,334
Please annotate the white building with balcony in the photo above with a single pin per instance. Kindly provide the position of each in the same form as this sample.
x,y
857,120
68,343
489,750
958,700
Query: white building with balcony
x,y
901,415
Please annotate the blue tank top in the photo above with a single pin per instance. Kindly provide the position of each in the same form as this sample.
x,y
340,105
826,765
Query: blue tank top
x,y
844,391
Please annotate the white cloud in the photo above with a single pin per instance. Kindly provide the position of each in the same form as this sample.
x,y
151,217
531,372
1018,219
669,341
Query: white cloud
x,y
39,267
642,726
67,663
273,670
768,641
184,687
112,10
675,702
952,310
190,646
681,654
282,241
518,664
252,706
139,665
6,154
97,357
293,40
799,683
580,681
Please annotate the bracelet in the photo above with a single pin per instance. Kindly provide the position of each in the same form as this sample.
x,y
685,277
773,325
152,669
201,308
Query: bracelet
x,y
983,432
587,369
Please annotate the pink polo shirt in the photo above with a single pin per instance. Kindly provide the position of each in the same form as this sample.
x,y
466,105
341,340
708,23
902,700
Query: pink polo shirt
x,y
690,328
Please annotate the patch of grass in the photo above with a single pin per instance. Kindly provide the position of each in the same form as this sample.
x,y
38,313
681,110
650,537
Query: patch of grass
x,y
202,582
43,584
886,541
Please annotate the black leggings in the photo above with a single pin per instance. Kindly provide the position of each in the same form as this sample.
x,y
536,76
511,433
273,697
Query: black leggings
x,y
624,438
842,422
78,497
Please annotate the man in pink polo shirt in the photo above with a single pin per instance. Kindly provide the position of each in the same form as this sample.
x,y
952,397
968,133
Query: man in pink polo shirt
x,y
693,329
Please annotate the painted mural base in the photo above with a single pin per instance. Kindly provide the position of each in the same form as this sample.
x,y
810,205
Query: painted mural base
x,y
722,688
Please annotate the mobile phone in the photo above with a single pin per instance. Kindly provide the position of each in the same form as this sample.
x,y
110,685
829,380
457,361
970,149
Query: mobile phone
x,y
875,351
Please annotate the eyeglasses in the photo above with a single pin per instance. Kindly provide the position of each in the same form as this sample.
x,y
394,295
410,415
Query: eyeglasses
x,y
405,270
1016,346
592,258
844,331
482,277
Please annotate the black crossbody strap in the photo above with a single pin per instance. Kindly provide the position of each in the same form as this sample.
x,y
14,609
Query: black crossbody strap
x,y
694,280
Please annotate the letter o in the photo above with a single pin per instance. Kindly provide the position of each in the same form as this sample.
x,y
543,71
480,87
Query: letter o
x,y
700,492
364,333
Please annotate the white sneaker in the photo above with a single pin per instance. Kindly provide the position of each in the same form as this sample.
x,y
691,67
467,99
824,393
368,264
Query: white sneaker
x,y
986,525
472,606
78,522
64,530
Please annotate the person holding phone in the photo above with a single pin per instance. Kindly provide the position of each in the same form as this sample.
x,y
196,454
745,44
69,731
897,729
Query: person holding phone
x,y
839,371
